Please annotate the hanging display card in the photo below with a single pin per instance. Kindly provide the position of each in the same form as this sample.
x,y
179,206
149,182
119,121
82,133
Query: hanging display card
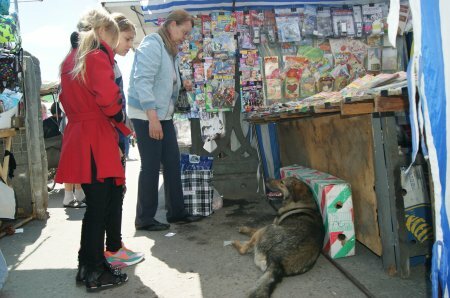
x,y
212,126
389,59
288,29
269,26
273,93
309,21
249,66
251,96
324,22
357,17
206,24
220,94
374,59
343,24
373,22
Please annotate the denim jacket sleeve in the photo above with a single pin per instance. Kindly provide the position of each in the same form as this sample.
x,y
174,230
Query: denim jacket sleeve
x,y
148,64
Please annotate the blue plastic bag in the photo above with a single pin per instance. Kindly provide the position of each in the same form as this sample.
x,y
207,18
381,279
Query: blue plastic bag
x,y
190,162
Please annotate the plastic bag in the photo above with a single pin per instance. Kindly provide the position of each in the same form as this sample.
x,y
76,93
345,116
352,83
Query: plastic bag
x,y
190,162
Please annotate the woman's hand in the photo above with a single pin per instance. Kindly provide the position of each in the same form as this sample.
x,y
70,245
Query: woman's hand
x,y
154,126
155,130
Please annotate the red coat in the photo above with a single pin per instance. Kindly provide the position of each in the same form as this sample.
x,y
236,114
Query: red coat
x,y
89,132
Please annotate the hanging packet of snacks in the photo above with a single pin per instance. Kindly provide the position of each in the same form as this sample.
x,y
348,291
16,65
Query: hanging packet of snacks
x,y
373,20
251,96
324,23
309,21
343,24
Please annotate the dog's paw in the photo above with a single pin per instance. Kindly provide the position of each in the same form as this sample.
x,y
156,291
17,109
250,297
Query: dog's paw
x,y
236,244
245,230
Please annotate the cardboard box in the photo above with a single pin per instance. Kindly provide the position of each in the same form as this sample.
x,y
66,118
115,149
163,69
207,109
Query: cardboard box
x,y
334,197
418,215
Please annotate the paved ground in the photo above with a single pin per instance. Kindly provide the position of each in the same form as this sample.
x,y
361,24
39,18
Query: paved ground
x,y
192,263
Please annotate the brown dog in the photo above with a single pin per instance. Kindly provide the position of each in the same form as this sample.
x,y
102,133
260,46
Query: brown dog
x,y
292,244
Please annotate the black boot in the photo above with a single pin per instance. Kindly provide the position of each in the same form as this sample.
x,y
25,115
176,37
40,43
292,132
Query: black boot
x,y
82,269
104,278
81,274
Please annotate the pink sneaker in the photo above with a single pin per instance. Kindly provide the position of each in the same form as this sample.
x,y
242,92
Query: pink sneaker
x,y
123,257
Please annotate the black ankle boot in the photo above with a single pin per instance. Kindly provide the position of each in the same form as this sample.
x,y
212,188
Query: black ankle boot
x,y
81,274
104,278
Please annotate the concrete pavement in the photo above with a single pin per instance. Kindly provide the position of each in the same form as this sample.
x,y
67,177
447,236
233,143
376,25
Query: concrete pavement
x,y
192,263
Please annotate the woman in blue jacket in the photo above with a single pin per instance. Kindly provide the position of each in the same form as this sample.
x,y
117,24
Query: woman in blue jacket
x,y
153,91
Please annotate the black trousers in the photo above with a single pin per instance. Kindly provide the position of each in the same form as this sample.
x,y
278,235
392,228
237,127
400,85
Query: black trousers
x,y
103,214
153,153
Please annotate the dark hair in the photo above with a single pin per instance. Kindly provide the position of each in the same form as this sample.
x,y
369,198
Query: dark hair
x,y
53,108
74,39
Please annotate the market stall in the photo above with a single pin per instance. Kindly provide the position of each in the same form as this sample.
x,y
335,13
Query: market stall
x,y
21,143
332,79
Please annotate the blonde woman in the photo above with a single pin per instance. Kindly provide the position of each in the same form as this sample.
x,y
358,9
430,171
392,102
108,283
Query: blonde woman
x,y
153,90
90,155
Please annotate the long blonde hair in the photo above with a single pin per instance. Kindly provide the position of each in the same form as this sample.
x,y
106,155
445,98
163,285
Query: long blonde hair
x,y
123,23
89,39
178,16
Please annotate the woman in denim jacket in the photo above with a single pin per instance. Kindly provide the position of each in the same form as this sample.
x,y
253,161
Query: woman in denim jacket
x,y
153,91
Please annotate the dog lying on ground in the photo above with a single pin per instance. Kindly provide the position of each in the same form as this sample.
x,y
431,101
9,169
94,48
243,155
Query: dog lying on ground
x,y
292,243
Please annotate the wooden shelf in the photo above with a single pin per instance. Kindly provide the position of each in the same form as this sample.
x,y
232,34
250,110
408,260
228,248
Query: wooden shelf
x,y
347,107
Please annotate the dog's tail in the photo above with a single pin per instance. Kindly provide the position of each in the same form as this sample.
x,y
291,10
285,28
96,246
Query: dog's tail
x,y
267,282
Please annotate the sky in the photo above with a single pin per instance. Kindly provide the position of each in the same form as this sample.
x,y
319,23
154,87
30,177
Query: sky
x,y
45,27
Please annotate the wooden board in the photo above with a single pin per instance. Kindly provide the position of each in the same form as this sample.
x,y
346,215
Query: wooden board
x,y
391,104
341,146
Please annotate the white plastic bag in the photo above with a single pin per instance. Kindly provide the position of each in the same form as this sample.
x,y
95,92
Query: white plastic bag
x,y
7,201
217,201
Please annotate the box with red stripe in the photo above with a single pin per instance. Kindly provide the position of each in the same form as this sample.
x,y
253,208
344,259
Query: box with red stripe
x,y
334,197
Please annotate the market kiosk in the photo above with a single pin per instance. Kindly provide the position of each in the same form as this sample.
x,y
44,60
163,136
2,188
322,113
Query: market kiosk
x,y
330,79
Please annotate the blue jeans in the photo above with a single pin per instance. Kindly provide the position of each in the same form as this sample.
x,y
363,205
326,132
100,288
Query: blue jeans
x,y
153,153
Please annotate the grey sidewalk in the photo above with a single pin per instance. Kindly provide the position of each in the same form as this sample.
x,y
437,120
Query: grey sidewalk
x,y
192,263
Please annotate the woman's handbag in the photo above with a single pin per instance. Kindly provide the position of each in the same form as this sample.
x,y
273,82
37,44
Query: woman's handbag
x,y
182,105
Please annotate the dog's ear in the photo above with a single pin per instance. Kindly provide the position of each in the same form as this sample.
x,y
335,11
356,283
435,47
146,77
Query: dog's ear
x,y
299,190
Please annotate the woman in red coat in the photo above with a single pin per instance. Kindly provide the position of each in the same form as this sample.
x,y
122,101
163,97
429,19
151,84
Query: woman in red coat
x,y
90,154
